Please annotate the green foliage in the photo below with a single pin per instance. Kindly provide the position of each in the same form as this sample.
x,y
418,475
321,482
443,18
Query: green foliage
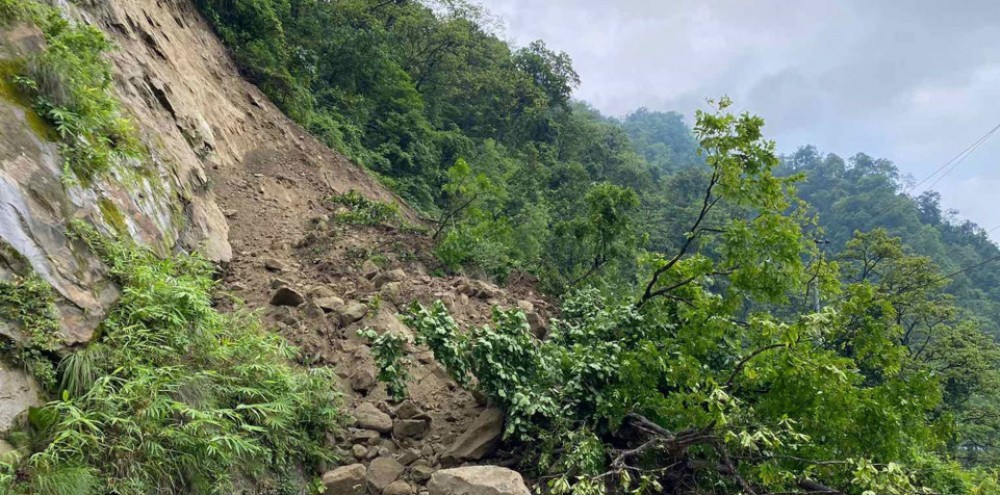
x,y
718,363
605,236
864,193
436,329
175,396
393,367
69,85
663,139
13,10
363,211
30,303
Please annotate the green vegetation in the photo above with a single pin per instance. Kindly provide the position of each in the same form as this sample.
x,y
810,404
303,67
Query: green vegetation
x,y
363,211
30,304
718,376
173,395
16,10
731,320
864,193
393,367
69,86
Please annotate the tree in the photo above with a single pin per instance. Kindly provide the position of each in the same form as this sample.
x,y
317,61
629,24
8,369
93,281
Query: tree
x,y
700,384
551,71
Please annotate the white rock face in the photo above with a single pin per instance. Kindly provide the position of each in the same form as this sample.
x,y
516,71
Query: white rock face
x,y
347,480
18,392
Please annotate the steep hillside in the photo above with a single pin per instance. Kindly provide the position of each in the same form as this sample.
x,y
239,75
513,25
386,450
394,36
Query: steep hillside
x,y
236,180
167,232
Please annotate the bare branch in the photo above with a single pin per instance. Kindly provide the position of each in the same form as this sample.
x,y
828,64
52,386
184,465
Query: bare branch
x,y
707,204
742,364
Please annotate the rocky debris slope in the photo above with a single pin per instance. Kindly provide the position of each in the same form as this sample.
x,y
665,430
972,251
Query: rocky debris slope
x,y
322,280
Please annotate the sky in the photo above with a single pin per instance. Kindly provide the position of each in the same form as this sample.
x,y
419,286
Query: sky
x,y
914,81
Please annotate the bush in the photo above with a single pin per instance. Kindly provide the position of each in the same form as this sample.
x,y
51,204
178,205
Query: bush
x,y
363,211
175,396
393,367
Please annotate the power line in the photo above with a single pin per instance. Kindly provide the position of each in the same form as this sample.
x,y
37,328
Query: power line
x,y
953,164
948,276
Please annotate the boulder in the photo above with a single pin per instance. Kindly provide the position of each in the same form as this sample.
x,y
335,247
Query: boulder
x,y
370,418
410,428
393,292
539,328
397,275
359,451
274,265
408,409
398,487
312,310
363,378
408,456
321,292
353,312
347,480
479,440
421,474
477,480
287,296
369,269
367,437
329,304
382,472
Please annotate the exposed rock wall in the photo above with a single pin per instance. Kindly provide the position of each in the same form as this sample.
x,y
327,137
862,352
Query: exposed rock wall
x,y
194,113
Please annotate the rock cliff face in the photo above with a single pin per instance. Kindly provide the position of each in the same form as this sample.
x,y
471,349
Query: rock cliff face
x,y
194,113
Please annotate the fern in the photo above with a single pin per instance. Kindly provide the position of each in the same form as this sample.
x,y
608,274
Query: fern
x,y
70,86
175,396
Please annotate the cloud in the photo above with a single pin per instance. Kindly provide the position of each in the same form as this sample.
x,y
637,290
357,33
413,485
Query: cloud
x,y
915,81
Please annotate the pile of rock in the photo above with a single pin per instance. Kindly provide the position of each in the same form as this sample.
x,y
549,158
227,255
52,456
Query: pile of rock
x,y
393,457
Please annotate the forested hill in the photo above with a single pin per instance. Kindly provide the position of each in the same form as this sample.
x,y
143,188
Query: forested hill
x,y
865,193
860,194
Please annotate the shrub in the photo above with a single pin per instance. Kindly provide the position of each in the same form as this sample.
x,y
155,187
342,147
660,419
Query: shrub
x,y
393,367
363,211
